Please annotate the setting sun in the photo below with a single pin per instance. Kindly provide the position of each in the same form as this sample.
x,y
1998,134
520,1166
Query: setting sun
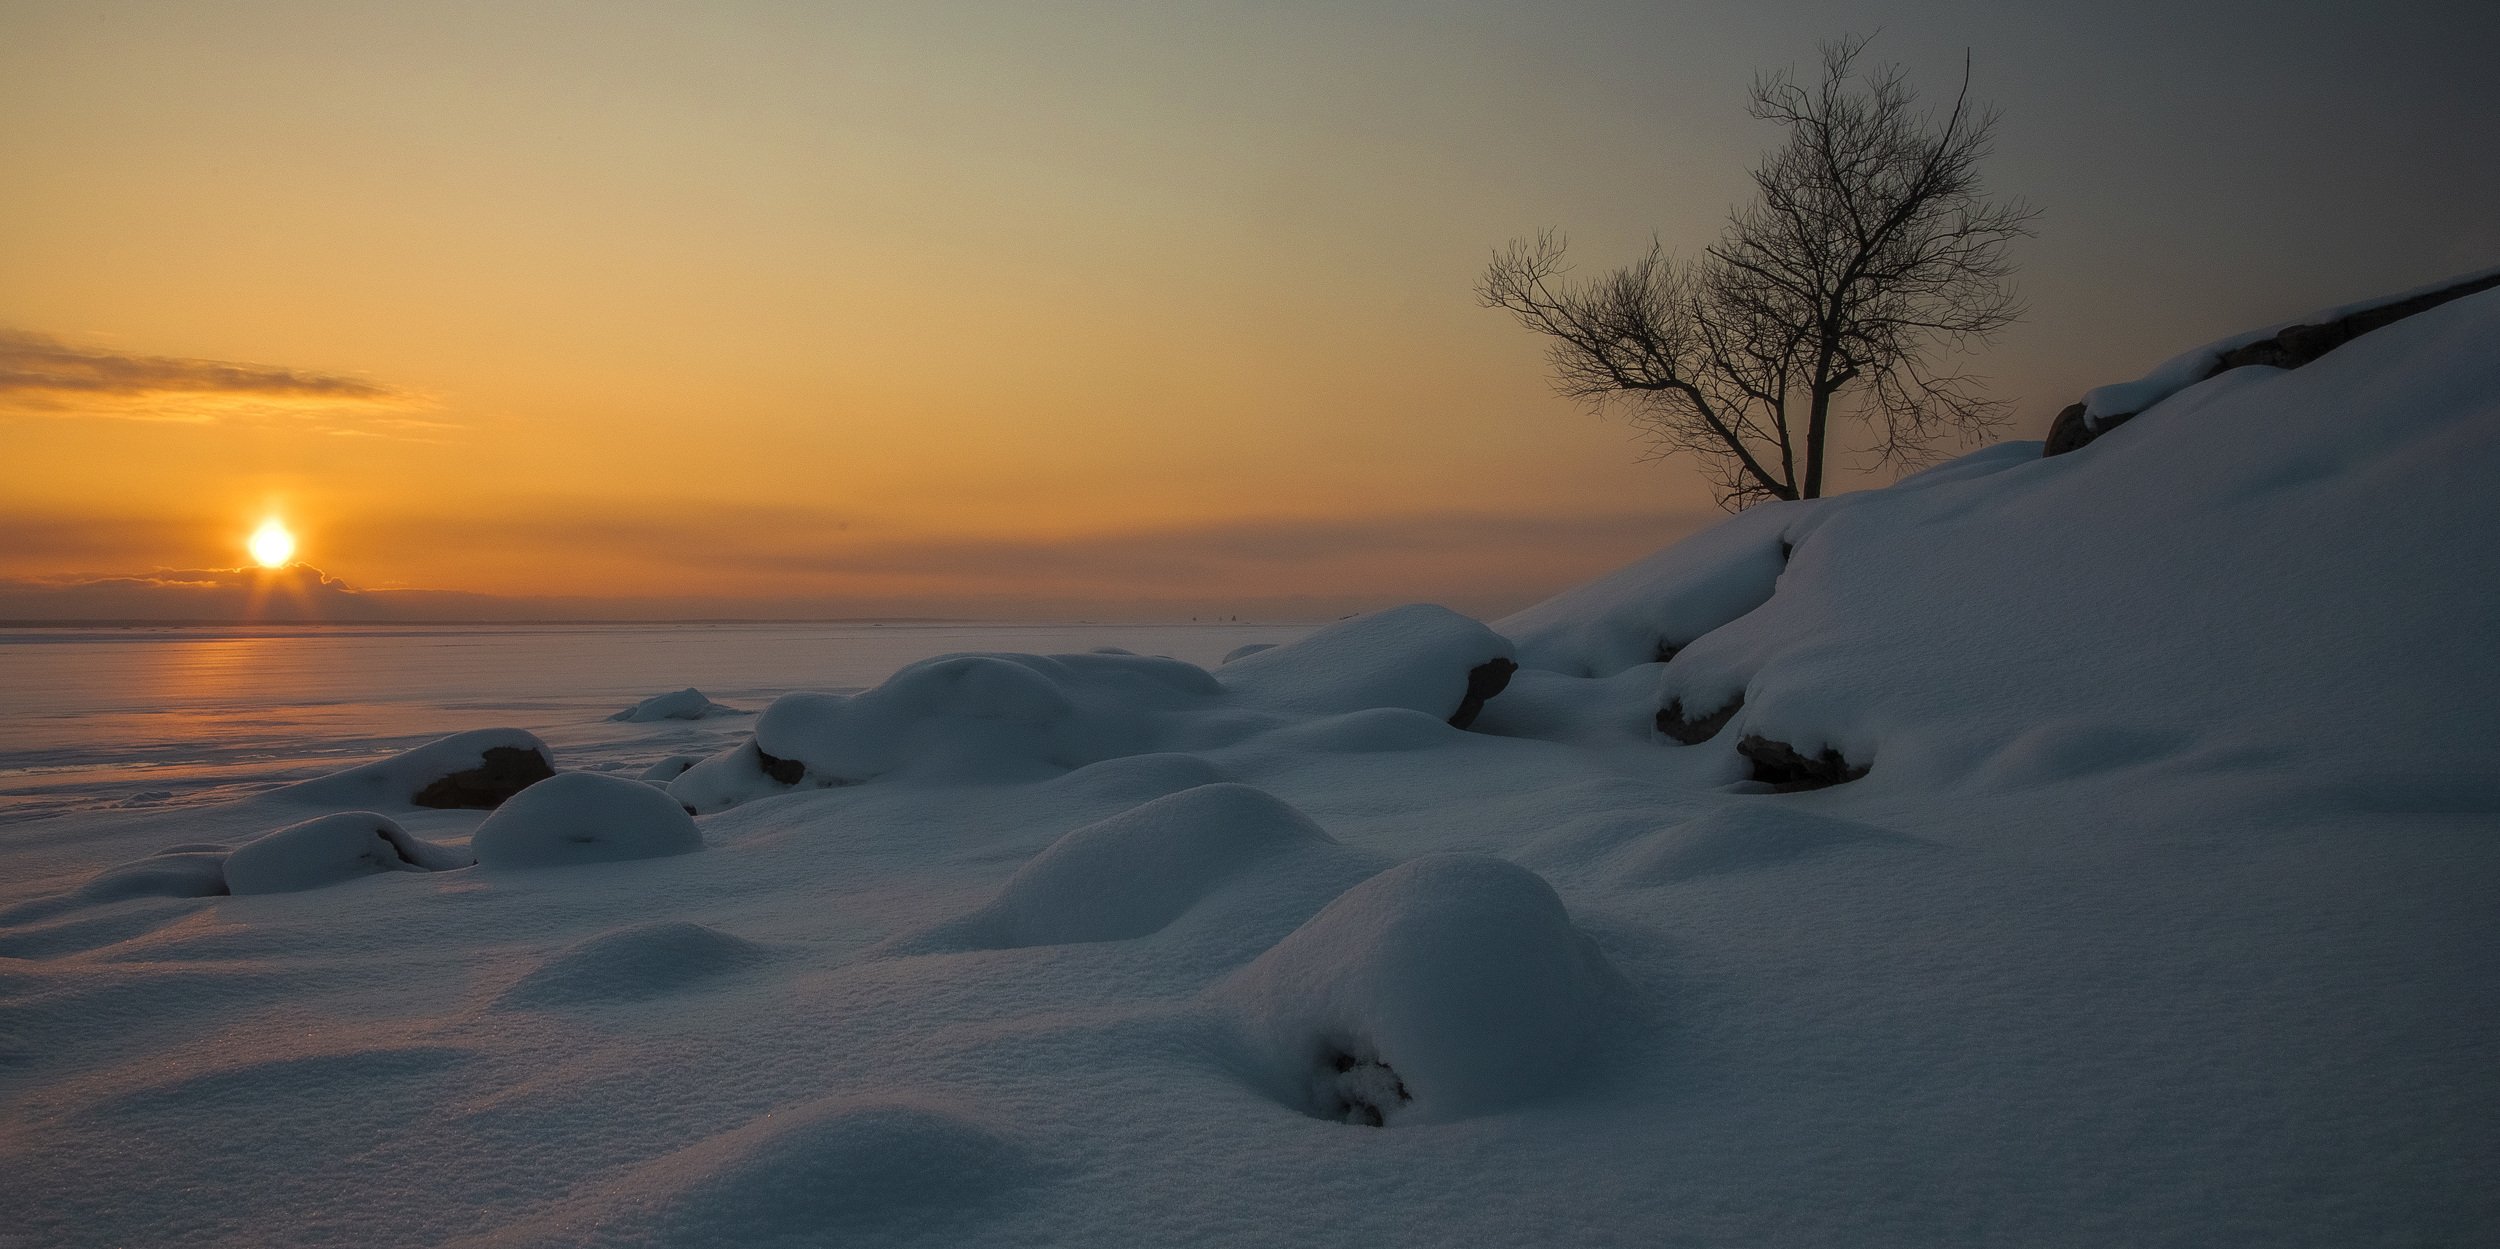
x,y
272,545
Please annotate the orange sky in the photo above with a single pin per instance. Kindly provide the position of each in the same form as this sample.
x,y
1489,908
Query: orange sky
x,y
971,309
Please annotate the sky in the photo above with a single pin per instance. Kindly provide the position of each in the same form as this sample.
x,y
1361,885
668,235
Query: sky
x,y
1028,310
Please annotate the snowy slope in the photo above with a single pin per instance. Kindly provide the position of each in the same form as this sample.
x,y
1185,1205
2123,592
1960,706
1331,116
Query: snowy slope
x,y
2167,911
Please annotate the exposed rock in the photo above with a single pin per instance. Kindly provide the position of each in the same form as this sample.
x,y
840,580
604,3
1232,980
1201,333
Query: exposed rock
x,y
1694,730
2067,432
785,771
2288,349
2301,344
1362,1091
1483,682
501,772
1778,765
1667,651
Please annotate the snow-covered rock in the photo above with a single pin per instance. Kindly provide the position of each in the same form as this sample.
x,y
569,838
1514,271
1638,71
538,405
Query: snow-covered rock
x,y
668,769
1648,611
686,704
329,849
1417,657
1446,987
477,769
583,817
959,717
173,873
2286,344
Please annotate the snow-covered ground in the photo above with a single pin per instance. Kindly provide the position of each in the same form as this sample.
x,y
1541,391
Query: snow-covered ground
x,y
2166,909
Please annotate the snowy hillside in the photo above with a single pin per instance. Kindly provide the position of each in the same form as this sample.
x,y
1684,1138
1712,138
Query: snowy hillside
x,y
2090,850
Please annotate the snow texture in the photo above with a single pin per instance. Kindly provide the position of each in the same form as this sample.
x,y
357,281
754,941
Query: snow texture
x,y
1137,871
574,818
1447,986
330,849
1416,658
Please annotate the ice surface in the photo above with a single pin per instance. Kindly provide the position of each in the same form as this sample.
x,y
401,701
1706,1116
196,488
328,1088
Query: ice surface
x,y
2167,914
574,818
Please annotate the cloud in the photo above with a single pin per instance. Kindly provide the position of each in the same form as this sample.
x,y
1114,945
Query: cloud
x,y
294,594
42,375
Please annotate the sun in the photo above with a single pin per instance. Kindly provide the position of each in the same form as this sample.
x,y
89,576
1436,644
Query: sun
x,y
272,545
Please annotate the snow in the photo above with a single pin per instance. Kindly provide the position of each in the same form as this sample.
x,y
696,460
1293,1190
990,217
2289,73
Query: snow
x,y
574,818
330,849
2167,911
398,780
1134,873
686,704
1415,657
1448,986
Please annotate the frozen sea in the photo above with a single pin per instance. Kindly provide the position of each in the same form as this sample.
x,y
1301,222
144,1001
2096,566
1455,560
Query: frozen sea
x,y
106,717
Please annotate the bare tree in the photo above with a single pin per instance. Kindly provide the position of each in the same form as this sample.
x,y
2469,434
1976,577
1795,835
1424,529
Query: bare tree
x,y
1870,248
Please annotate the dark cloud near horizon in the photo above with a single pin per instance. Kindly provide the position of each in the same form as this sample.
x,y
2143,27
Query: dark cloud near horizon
x,y
40,364
294,594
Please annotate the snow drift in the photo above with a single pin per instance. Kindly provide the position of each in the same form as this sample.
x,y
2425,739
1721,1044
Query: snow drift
x,y
583,817
1447,986
1130,875
329,849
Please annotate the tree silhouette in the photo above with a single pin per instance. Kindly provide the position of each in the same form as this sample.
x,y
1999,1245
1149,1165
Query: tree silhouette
x,y
1870,247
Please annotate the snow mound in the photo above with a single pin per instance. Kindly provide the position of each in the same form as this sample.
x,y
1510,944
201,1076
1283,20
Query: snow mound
x,y
583,817
980,718
1139,778
329,849
477,769
1245,650
2066,748
172,873
1445,987
1744,837
667,770
1416,657
635,963
815,1173
1646,612
1132,874
686,704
